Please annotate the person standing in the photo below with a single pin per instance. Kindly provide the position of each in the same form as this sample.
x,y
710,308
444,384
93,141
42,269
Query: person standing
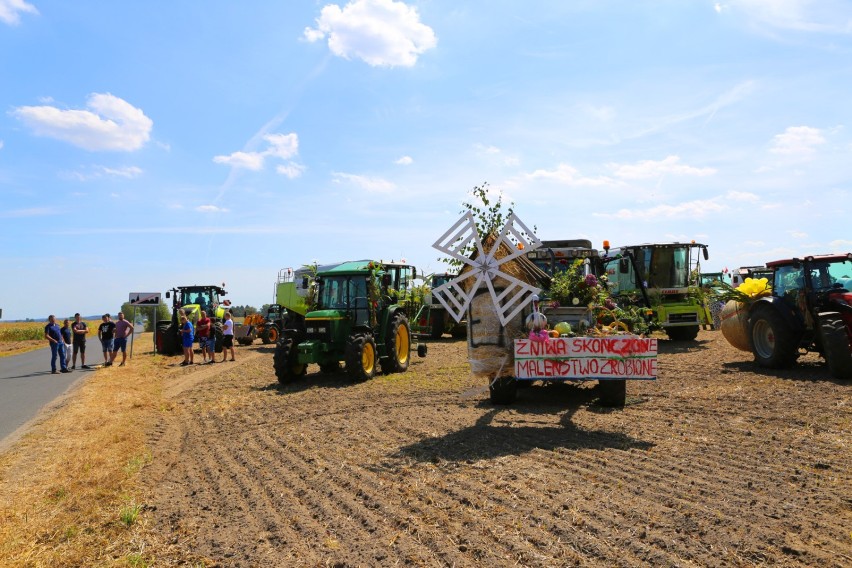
x,y
106,332
78,341
57,347
228,337
66,339
205,338
123,329
186,333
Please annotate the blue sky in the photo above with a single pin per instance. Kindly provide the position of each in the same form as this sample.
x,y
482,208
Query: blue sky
x,y
149,145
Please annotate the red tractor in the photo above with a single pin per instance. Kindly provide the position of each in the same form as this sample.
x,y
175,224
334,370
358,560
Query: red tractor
x,y
810,309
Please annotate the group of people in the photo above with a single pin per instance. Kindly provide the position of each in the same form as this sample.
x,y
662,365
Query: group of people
x,y
206,339
68,341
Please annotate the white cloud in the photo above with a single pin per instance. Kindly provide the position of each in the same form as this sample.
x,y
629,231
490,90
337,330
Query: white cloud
x,y
242,160
291,170
281,146
655,168
490,151
840,244
372,185
797,141
111,124
742,196
798,234
1,144
824,16
128,172
210,209
403,161
688,210
11,10
383,33
568,175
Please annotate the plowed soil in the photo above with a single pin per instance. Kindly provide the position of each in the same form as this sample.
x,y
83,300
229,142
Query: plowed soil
x,y
717,463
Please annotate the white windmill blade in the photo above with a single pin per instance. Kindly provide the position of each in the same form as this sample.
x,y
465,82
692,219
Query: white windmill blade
x,y
512,299
456,240
453,296
527,244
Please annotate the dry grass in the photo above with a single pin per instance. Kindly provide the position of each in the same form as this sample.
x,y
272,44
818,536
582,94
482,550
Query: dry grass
x,y
80,505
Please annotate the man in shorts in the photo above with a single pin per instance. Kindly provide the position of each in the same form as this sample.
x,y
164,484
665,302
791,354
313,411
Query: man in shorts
x,y
78,341
205,338
106,332
123,330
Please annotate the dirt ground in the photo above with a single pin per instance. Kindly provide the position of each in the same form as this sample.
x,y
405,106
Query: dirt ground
x,y
717,463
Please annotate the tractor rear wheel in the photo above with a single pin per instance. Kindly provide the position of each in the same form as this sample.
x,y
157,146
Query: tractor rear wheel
x,y
836,346
436,321
361,356
286,363
218,338
503,390
613,393
166,340
398,345
773,343
682,333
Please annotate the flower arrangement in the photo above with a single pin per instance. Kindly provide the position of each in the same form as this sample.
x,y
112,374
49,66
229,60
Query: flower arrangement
x,y
750,290
571,288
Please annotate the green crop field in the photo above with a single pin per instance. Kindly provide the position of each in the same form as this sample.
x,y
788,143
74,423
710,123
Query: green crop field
x,y
26,331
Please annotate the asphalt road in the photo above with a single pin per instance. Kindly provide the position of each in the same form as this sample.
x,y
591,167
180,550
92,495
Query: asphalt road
x,y
26,384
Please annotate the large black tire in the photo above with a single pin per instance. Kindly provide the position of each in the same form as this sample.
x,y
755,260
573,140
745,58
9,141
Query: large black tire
x,y
361,357
459,332
612,393
285,361
218,338
773,343
503,390
167,341
436,321
397,345
836,346
271,334
247,340
682,333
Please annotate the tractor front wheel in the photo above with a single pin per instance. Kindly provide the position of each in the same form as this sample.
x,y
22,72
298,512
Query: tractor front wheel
x,y
270,334
682,333
286,363
361,356
836,346
398,345
772,341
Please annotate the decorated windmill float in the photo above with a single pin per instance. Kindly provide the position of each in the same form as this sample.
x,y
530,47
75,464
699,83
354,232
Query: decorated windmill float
x,y
509,340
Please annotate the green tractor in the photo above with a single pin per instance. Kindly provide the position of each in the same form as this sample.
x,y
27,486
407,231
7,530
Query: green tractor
x,y
191,300
353,312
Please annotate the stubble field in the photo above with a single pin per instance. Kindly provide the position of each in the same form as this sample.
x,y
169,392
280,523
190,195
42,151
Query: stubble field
x,y
716,463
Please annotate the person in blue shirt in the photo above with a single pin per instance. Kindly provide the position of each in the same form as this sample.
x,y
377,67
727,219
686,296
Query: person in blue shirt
x,y
53,334
187,335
